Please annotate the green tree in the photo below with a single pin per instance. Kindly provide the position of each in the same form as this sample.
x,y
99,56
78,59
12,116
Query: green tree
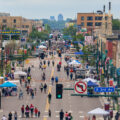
x,y
80,37
71,31
116,24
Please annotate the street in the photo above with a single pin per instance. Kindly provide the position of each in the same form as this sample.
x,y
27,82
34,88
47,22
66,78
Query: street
x,y
78,106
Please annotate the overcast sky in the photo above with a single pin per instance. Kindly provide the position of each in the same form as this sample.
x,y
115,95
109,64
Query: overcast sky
x,y
38,9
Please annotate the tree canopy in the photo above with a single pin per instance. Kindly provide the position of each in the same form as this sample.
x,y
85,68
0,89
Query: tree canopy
x,y
116,24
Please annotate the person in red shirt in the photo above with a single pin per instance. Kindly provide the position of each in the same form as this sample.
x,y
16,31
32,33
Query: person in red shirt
x,y
36,112
66,116
31,109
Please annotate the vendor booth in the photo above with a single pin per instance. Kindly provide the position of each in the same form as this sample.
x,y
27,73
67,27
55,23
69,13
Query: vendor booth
x,y
9,89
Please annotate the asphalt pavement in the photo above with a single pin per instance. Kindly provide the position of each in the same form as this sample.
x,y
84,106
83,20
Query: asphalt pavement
x,y
78,106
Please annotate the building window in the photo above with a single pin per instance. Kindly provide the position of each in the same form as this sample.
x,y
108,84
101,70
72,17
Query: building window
x,y
82,24
14,20
4,21
22,26
89,24
98,24
98,18
106,18
4,27
82,18
27,26
89,18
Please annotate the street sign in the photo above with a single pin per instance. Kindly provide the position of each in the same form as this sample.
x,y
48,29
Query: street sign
x,y
118,71
14,32
104,89
80,87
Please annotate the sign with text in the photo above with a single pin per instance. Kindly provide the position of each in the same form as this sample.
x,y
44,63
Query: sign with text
x,y
104,89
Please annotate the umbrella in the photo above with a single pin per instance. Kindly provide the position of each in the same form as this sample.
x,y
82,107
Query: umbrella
x,y
98,111
20,73
90,79
75,62
79,53
8,84
91,84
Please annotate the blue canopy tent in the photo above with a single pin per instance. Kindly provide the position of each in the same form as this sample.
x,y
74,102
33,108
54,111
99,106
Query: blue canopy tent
x,y
91,84
79,53
8,84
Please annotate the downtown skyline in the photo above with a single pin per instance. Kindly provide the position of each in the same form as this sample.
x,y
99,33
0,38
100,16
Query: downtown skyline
x,y
38,9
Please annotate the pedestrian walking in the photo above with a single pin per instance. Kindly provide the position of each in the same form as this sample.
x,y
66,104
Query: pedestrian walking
x,y
32,110
44,62
41,87
27,111
21,94
52,80
71,76
56,79
70,116
22,110
45,87
32,94
15,115
48,62
67,73
29,79
66,116
4,117
36,112
49,113
10,116
49,98
35,90
53,63
61,115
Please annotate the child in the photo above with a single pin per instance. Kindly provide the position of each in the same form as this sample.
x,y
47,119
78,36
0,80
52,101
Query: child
x,y
38,113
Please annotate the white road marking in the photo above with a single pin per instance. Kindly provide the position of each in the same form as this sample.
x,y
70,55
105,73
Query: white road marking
x,y
46,111
45,116
82,116
57,116
57,111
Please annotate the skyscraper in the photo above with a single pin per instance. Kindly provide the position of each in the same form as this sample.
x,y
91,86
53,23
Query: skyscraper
x,y
60,17
52,18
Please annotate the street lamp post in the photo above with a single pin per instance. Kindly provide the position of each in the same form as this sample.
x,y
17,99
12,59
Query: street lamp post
x,y
108,80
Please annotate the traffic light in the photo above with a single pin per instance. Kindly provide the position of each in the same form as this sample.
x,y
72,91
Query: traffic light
x,y
59,91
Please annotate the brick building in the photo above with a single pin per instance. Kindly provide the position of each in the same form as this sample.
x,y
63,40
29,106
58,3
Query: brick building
x,y
16,22
91,20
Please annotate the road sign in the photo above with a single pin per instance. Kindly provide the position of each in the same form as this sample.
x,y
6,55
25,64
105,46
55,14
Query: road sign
x,y
80,87
118,71
104,89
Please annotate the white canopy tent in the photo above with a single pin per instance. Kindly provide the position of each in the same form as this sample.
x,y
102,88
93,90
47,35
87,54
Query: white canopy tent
x,y
74,62
17,74
98,111
42,47
1,77
90,79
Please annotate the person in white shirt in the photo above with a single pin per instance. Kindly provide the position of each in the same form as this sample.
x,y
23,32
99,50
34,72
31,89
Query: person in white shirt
x,y
4,118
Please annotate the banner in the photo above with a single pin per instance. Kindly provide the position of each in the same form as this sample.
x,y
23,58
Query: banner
x,y
88,40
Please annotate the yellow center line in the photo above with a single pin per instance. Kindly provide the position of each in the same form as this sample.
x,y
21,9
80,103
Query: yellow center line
x,y
49,91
